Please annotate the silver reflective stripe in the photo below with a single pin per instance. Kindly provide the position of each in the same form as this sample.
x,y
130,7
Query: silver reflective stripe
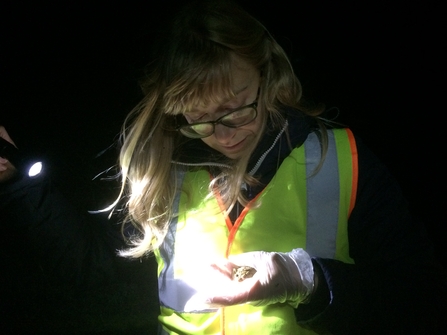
x,y
323,197
173,293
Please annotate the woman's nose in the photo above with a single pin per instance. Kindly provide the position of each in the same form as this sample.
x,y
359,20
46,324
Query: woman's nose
x,y
222,133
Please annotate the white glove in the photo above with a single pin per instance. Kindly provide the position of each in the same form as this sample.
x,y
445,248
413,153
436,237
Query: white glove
x,y
280,277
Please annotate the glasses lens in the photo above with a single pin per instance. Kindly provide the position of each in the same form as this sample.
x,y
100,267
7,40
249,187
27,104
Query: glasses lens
x,y
240,117
235,119
197,130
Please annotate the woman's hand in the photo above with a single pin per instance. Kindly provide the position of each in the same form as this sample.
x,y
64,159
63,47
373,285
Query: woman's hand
x,y
278,278
7,170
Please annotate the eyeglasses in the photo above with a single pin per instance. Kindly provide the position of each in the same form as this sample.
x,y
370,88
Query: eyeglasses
x,y
236,118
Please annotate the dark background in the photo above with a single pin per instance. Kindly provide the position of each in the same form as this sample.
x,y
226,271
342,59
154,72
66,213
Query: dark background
x,y
70,71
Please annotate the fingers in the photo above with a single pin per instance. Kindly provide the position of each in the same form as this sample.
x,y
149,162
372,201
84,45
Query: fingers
x,y
3,162
216,287
251,259
234,293
224,268
7,170
4,134
228,294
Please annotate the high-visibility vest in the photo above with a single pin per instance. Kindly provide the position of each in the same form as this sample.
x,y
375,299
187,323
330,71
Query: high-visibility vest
x,y
298,209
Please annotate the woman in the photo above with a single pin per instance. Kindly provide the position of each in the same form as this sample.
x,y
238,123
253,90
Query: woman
x,y
262,217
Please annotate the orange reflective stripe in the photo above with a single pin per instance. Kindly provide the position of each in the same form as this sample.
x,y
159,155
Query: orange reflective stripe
x,y
355,169
237,224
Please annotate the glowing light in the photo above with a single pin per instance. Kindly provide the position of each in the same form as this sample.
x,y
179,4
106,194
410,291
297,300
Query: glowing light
x,y
35,169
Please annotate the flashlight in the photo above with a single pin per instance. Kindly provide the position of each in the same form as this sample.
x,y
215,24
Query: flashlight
x,y
20,161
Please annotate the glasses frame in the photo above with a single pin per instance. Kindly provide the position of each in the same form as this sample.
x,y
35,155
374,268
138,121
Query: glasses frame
x,y
253,105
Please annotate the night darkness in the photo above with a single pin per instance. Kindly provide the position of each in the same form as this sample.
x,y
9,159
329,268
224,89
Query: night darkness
x,y
70,74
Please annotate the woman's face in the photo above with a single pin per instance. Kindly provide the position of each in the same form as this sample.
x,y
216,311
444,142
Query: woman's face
x,y
233,142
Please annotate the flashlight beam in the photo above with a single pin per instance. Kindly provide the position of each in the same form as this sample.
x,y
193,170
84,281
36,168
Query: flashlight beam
x,y
11,153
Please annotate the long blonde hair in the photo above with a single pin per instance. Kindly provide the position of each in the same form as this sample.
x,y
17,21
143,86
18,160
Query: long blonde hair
x,y
193,66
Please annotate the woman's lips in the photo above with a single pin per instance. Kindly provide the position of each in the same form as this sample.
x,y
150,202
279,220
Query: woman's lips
x,y
235,146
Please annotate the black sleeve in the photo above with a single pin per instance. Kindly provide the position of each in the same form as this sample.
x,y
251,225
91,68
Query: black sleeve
x,y
71,247
59,269
397,285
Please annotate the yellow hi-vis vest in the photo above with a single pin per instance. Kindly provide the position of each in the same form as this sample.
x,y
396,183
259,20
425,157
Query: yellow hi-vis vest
x,y
298,209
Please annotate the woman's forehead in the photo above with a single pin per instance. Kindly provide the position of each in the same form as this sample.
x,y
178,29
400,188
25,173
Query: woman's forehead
x,y
222,95
213,87
240,79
